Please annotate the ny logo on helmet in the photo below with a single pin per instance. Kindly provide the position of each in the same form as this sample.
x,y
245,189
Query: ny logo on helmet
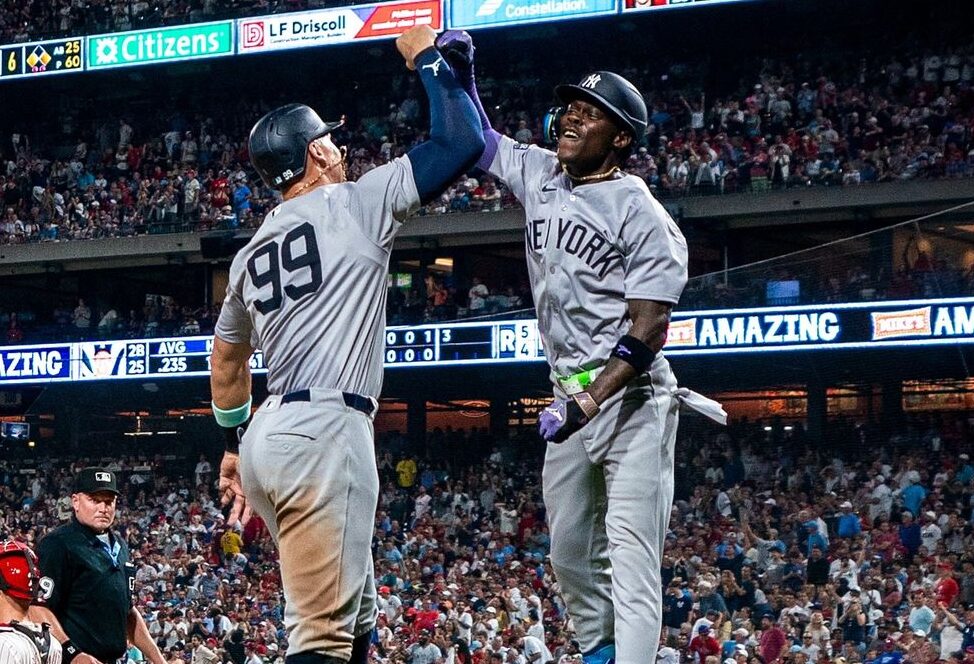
x,y
591,81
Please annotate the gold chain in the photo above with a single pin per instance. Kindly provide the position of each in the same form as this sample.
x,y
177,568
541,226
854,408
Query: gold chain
x,y
588,178
322,172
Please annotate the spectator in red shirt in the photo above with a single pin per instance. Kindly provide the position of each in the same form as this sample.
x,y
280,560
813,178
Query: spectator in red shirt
x,y
773,639
427,617
15,333
703,645
946,588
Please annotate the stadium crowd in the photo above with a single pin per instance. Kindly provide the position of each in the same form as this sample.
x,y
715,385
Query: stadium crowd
x,y
778,551
802,122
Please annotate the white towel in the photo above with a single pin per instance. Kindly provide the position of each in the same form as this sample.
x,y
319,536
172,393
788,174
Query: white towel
x,y
703,405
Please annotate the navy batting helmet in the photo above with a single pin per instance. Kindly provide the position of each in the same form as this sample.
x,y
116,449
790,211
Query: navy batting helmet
x,y
279,142
611,92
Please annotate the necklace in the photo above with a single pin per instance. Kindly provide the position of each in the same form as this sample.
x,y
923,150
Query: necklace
x,y
321,174
588,178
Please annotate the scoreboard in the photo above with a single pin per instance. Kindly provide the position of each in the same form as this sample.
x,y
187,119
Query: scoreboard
x,y
822,328
463,343
58,56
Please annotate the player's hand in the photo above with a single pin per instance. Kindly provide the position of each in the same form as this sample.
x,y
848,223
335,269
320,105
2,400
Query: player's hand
x,y
413,42
231,492
560,420
456,46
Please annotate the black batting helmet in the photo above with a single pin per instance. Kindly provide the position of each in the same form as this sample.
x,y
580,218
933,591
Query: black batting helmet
x,y
611,92
279,142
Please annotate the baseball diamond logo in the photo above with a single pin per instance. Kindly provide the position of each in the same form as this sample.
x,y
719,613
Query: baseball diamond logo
x,y
490,7
591,81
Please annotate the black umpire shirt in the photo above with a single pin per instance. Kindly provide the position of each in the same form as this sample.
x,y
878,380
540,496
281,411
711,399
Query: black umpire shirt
x,y
91,594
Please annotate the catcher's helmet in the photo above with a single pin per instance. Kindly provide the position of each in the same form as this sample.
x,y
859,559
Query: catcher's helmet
x,y
279,142
19,575
611,92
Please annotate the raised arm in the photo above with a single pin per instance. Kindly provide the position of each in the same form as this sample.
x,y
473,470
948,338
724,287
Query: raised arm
x,y
456,138
458,49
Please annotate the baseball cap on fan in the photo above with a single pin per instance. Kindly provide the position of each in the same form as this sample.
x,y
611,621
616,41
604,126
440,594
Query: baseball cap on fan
x,y
93,480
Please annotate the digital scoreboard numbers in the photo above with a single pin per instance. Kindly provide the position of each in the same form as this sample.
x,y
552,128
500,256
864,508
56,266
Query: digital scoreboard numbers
x,y
518,341
835,326
188,357
60,56
463,343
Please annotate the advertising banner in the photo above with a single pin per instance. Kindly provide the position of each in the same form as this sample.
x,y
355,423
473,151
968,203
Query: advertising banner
x,y
336,26
641,5
491,13
145,47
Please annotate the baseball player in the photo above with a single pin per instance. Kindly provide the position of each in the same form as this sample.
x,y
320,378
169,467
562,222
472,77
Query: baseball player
x,y
21,641
309,290
607,264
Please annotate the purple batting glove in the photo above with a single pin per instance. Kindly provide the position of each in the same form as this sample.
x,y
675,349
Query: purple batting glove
x,y
457,47
560,420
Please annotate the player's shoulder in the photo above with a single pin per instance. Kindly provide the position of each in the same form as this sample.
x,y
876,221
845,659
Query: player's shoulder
x,y
641,200
530,151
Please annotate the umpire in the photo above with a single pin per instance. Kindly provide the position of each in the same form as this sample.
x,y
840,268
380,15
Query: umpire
x,y
86,596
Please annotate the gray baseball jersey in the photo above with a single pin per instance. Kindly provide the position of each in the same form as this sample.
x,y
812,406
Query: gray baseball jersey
x,y
589,249
309,289
609,487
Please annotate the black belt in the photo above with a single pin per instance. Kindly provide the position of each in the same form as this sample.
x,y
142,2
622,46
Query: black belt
x,y
356,401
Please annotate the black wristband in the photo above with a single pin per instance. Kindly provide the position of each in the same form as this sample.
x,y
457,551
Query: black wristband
x,y
233,436
68,652
633,352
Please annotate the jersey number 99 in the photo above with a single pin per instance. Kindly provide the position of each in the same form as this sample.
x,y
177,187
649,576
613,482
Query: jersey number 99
x,y
282,256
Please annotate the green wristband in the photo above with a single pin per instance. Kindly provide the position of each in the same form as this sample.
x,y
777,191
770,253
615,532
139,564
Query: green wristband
x,y
232,417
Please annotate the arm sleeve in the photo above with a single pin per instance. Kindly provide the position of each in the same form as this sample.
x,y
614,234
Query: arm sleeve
x,y
234,325
456,137
52,559
655,254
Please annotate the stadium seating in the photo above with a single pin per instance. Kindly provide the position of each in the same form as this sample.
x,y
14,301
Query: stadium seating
x,y
461,545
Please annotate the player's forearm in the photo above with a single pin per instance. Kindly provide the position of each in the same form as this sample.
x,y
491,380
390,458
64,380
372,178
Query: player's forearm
x,y
138,635
491,136
230,374
456,138
649,323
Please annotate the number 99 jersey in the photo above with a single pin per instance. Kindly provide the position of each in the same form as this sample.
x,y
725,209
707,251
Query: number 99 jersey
x,y
309,289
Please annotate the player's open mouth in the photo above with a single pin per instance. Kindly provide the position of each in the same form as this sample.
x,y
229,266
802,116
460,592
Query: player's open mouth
x,y
570,134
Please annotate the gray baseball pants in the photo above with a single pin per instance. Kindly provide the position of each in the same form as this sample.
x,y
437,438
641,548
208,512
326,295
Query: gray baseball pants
x,y
609,491
308,469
